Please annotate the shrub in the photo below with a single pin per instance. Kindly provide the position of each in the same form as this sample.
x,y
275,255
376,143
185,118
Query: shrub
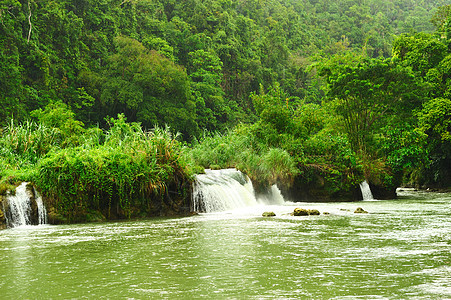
x,y
131,174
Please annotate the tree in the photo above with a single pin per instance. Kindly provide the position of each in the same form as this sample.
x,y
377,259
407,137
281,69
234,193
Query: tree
x,y
205,72
274,108
420,51
148,87
59,116
434,121
441,17
369,94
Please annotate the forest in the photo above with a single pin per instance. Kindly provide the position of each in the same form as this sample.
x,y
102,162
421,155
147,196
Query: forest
x,y
112,106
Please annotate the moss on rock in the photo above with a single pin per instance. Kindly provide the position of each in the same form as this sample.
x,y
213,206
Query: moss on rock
x,y
305,212
268,214
360,210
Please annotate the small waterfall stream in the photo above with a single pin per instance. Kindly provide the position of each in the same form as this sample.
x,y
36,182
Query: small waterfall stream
x,y
25,207
221,190
366,191
42,212
229,189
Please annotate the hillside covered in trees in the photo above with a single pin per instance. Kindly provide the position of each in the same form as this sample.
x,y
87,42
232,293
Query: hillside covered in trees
x,y
314,95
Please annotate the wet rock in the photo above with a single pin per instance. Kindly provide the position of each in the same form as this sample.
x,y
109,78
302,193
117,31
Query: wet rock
x,y
360,210
94,216
313,212
300,212
305,212
268,214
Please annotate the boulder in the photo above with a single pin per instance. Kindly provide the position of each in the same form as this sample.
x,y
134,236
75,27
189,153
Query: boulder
x,y
360,210
305,212
268,214
313,212
300,212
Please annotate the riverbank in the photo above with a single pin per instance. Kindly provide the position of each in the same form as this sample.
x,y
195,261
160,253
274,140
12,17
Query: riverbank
x,y
126,172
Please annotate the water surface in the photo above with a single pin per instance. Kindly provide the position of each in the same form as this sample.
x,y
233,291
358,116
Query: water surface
x,y
401,249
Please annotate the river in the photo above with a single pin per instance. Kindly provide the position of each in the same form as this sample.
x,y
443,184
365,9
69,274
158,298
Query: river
x,y
400,249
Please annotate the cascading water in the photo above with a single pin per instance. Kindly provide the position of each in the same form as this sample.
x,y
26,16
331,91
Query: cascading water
x,y
25,208
42,212
366,191
221,190
272,197
19,207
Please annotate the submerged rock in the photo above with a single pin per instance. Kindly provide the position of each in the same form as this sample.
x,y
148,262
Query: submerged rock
x,y
305,212
360,210
268,214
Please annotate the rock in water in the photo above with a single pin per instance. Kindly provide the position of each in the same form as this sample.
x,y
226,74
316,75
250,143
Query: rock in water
x,y
268,214
300,212
305,212
313,212
360,210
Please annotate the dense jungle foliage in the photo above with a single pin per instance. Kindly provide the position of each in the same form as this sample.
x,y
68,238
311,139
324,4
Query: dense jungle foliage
x,y
300,93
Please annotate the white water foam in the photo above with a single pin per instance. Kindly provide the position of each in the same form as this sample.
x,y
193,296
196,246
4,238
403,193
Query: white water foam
x,y
42,212
366,191
20,209
228,189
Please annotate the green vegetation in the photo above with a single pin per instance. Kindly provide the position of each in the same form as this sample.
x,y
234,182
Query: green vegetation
x,y
133,173
313,95
123,172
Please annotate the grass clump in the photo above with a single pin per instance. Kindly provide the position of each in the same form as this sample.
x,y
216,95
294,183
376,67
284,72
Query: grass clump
x,y
241,149
133,173
121,172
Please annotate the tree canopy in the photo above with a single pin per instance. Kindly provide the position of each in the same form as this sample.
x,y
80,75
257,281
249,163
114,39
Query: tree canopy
x,y
346,88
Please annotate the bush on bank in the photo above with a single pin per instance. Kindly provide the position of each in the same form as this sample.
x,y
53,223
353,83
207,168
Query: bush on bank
x,y
123,172
132,174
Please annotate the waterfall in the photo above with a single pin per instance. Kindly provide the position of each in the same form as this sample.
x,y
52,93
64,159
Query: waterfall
x,y
19,208
25,207
221,190
366,191
42,212
272,197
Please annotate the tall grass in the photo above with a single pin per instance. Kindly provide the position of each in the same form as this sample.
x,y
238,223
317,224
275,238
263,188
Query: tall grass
x,y
22,145
241,149
132,173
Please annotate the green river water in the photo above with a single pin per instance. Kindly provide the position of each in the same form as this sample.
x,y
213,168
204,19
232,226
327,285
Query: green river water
x,y
401,249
